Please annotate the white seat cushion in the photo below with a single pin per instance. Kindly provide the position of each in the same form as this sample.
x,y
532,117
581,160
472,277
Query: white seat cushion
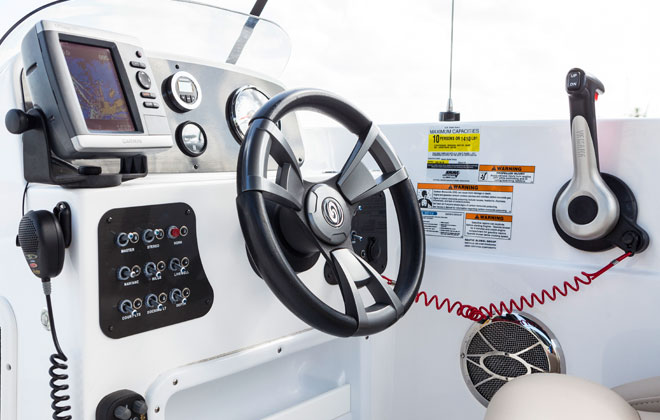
x,y
550,396
642,395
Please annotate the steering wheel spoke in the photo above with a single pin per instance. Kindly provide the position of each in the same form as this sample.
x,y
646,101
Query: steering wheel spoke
x,y
288,188
280,150
359,152
274,192
355,194
353,272
356,182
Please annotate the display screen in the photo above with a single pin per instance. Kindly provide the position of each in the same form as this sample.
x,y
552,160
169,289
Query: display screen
x,y
98,88
185,87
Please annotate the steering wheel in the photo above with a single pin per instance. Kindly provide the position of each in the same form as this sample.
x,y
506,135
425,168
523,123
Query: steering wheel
x,y
293,216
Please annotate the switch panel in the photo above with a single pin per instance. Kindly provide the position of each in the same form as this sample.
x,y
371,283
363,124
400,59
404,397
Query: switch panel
x,y
150,271
369,231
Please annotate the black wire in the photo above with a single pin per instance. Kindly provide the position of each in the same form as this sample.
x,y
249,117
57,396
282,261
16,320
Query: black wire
x,y
21,20
53,333
24,197
56,372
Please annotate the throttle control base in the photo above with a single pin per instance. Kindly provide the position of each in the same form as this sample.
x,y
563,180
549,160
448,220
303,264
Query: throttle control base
x,y
626,234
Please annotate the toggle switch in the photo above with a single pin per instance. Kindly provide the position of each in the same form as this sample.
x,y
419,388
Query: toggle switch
x,y
123,413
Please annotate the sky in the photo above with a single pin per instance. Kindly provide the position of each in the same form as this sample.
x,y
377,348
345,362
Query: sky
x,y
391,58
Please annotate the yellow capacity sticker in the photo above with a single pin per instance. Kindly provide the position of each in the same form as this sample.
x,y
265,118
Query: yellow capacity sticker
x,y
454,142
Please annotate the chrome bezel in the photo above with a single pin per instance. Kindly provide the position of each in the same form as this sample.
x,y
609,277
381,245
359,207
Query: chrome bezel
x,y
171,90
548,341
232,120
181,142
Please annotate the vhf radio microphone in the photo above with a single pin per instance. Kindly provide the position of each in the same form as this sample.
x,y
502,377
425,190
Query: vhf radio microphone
x,y
42,241
43,237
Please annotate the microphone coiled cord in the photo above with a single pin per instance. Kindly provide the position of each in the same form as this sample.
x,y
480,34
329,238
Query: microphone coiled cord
x,y
57,372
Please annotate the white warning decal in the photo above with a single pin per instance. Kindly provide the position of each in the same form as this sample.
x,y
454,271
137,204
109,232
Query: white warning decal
x,y
466,197
507,174
492,226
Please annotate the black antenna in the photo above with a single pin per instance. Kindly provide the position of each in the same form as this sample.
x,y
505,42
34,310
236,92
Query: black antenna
x,y
450,115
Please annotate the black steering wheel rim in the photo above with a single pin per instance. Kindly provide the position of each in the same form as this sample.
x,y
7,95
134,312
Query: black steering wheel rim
x,y
264,140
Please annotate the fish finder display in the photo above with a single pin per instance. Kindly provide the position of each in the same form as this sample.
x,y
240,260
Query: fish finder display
x,y
98,88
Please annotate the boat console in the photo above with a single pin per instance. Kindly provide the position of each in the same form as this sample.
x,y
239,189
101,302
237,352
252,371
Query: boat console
x,y
203,255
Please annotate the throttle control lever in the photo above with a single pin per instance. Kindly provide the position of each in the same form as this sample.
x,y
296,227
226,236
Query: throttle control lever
x,y
594,211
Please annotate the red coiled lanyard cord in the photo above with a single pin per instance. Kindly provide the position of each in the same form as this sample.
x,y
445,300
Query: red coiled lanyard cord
x,y
480,313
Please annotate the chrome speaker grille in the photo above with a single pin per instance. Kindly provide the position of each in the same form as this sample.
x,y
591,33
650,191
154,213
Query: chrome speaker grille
x,y
502,348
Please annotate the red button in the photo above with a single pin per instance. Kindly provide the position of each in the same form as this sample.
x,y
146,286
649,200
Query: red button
x,y
34,265
173,232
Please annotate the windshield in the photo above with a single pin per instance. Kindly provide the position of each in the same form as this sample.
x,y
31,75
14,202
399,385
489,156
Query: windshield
x,y
195,30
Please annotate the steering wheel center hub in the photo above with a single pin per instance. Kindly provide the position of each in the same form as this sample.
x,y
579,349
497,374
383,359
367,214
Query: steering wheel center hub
x,y
328,214
332,212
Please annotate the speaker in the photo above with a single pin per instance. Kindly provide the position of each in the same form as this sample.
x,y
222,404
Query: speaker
x,y
502,348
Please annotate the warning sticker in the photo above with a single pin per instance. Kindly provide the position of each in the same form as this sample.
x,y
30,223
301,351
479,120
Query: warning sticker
x,y
493,226
443,223
453,154
507,174
465,197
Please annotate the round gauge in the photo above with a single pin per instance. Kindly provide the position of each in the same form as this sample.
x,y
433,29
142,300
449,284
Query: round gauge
x,y
244,103
183,91
191,138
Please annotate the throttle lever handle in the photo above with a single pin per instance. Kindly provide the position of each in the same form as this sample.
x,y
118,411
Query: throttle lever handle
x,y
583,90
587,209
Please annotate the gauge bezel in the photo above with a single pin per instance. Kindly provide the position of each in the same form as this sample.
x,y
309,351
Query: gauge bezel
x,y
231,111
181,143
180,105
